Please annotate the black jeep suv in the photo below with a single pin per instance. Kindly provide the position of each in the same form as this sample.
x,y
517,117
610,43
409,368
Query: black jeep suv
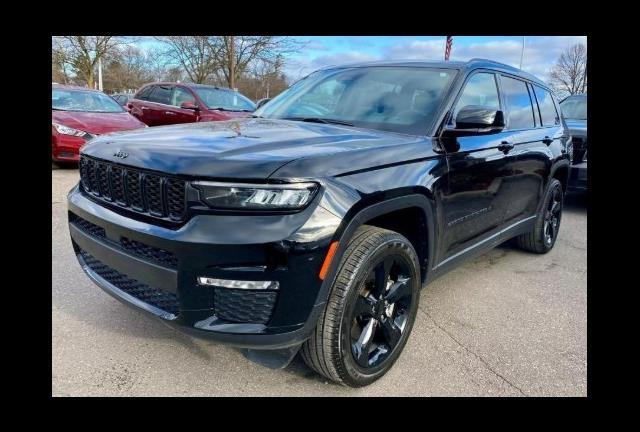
x,y
312,225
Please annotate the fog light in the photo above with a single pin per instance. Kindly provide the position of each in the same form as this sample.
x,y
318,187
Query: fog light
x,y
239,284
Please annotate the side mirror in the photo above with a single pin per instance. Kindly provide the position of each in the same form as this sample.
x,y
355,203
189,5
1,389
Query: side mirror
x,y
262,102
189,105
478,119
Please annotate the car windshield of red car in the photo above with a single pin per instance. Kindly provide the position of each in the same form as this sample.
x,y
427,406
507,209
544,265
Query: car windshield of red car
x,y
81,100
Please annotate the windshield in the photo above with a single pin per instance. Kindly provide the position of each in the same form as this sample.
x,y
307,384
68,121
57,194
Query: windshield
x,y
574,108
396,99
81,100
224,99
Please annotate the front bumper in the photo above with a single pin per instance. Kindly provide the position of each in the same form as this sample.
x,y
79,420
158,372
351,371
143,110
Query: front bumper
x,y
578,177
158,274
66,148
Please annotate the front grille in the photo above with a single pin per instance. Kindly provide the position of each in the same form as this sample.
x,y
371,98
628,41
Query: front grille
x,y
162,300
134,247
244,306
150,194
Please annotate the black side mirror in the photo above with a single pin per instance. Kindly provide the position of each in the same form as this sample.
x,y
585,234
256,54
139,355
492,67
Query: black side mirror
x,y
478,119
262,102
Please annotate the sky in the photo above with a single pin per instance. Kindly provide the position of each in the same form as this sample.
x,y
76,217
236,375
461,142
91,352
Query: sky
x,y
540,53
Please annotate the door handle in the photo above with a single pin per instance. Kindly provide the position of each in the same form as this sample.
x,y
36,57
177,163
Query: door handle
x,y
170,113
505,146
547,140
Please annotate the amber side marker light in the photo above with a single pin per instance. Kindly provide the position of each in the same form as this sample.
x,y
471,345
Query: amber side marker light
x,y
327,260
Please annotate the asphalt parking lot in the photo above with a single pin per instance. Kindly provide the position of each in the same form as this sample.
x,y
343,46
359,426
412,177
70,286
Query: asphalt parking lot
x,y
506,324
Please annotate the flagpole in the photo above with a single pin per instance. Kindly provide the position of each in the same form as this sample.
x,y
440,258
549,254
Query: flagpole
x,y
100,74
522,52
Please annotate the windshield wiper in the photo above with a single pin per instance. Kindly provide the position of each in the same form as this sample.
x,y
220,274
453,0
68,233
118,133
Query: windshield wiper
x,y
232,110
320,120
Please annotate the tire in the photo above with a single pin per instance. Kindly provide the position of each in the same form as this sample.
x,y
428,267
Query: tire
x,y
538,240
360,292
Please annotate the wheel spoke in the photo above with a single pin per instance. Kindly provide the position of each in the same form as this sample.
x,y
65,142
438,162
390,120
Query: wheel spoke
x,y
365,307
556,207
401,288
381,274
361,347
554,199
391,332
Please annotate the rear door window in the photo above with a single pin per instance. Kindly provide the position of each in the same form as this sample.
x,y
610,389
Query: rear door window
x,y
518,101
144,93
161,94
547,108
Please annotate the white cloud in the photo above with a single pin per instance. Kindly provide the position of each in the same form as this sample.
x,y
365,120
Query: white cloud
x,y
416,50
299,67
540,53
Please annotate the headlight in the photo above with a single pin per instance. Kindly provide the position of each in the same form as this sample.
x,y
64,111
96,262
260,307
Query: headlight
x,y
66,130
290,196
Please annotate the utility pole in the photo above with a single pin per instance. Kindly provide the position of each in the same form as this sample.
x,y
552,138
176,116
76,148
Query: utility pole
x,y
522,52
100,74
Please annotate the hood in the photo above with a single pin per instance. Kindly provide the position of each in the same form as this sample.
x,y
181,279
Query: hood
x,y
96,123
577,127
236,114
252,148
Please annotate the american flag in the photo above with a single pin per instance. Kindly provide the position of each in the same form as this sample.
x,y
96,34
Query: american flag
x,y
447,49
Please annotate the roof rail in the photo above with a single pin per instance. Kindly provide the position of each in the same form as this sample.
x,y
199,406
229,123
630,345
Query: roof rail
x,y
491,61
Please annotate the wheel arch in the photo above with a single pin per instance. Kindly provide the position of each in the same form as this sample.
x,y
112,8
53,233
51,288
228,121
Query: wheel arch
x,y
560,171
386,214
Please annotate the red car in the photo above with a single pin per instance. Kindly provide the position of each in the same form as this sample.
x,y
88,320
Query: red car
x,y
78,114
166,103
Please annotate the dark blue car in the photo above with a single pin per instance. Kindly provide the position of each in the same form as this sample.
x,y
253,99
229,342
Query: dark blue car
x,y
574,110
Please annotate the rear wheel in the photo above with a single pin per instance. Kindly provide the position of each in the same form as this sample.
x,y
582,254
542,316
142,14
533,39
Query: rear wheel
x,y
370,311
543,236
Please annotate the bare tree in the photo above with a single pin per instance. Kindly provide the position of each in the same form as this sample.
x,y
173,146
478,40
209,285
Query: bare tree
x,y
236,53
569,75
197,55
128,68
262,80
59,68
82,53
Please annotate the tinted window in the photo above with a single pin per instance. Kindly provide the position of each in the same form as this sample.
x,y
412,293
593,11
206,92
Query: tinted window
x,y
519,109
398,99
181,95
160,94
481,89
547,108
144,94
225,99
574,108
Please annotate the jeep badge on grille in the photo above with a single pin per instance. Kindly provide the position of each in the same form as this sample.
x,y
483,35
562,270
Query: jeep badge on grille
x,y
120,154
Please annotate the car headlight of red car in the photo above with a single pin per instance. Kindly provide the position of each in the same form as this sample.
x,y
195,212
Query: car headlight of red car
x,y
66,130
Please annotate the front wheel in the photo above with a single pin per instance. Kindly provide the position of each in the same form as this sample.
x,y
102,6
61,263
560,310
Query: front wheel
x,y
545,232
370,311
